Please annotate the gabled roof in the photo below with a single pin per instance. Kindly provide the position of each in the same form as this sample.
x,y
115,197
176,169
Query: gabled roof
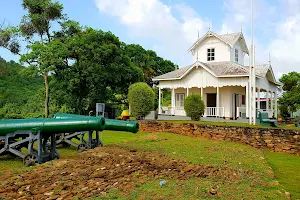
x,y
217,69
177,74
227,68
229,39
262,71
220,69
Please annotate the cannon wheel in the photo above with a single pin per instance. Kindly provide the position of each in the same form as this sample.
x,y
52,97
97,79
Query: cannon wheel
x,y
30,160
81,147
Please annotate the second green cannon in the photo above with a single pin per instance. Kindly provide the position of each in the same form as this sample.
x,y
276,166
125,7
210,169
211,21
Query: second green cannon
x,y
110,124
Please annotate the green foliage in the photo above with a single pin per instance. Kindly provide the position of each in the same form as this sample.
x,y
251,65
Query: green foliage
x,y
290,100
20,95
34,30
194,106
141,100
89,79
147,60
80,66
166,97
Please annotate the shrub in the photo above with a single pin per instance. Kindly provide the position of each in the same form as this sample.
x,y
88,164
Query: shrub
x,y
194,106
141,100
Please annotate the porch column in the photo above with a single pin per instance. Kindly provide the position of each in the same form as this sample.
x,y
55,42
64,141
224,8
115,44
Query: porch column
x,y
258,99
202,93
275,112
173,101
218,101
159,100
272,103
247,100
187,91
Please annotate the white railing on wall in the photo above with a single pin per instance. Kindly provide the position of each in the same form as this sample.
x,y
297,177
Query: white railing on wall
x,y
179,111
214,112
208,112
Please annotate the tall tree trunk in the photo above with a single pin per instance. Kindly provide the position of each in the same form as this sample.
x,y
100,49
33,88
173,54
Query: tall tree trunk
x,y
47,94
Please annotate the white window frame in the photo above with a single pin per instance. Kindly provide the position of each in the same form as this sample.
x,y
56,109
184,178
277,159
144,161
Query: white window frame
x,y
210,57
179,99
236,55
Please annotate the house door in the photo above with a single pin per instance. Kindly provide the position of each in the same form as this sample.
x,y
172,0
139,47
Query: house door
x,y
211,100
179,99
235,104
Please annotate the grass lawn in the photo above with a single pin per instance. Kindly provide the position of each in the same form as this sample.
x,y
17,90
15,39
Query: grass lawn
x,y
252,166
286,168
239,124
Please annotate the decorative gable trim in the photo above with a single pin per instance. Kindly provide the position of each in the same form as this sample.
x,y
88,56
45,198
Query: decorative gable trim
x,y
209,33
244,46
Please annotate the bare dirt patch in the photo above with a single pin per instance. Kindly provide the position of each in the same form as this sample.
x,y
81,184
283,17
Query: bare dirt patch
x,y
94,172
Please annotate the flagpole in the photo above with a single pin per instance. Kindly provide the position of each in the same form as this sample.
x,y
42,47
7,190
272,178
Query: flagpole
x,y
253,88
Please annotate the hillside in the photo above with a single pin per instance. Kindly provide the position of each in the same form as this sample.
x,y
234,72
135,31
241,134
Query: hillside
x,y
21,95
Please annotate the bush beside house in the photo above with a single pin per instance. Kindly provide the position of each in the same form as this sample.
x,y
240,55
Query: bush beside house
x,y
194,106
141,100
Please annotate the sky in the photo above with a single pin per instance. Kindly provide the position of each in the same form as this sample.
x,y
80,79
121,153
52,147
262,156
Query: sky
x,y
170,27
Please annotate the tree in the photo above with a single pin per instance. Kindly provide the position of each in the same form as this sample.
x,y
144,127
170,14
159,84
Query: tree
x,y
20,95
141,100
148,61
194,106
290,99
35,30
96,68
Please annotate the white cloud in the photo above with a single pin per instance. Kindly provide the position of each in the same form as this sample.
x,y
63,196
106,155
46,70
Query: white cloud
x,y
172,29
281,30
151,19
285,47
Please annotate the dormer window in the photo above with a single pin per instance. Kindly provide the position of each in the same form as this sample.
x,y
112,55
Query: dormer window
x,y
210,54
236,55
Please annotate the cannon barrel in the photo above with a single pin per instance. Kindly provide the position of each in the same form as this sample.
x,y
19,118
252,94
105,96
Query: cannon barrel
x,y
51,125
110,124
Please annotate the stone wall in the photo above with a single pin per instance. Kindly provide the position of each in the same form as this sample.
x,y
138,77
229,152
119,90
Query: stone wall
x,y
279,140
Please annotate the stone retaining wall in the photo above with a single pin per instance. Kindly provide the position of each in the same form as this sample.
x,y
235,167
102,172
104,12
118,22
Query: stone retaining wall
x,y
279,140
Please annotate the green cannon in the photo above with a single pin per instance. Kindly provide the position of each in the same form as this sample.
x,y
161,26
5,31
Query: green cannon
x,y
23,133
110,124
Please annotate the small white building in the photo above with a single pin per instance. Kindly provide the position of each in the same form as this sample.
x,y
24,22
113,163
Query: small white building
x,y
218,73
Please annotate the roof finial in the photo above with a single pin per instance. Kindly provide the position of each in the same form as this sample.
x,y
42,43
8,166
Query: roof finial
x,y
241,28
198,33
209,25
269,58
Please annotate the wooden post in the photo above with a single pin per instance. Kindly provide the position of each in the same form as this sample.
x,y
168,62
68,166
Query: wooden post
x,y
218,101
173,101
276,109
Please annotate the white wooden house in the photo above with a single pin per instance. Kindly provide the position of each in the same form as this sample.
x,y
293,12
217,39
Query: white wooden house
x,y
218,73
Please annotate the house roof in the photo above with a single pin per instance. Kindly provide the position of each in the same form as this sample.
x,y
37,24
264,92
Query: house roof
x,y
229,39
261,70
177,74
226,68
219,69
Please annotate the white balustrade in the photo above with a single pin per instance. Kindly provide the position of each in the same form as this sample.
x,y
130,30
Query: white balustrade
x,y
212,111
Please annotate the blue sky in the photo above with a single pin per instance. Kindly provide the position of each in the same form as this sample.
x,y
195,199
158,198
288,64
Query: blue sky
x,y
170,26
